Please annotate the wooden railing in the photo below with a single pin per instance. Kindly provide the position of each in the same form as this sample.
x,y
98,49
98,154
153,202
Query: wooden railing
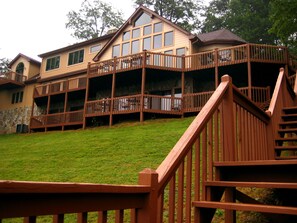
x,y
60,87
13,76
98,107
126,104
195,101
228,128
57,119
162,104
259,95
203,60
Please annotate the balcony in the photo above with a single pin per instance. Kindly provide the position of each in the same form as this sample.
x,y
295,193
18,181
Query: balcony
x,y
209,59
12,80
60,87
57,119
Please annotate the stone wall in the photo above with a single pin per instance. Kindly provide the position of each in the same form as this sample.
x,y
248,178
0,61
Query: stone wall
x,y
9,119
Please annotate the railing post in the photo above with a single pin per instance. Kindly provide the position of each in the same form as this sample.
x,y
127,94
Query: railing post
x,y
149,213
228,133
143,76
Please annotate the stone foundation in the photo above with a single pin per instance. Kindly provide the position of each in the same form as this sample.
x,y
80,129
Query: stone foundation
x,y
9,119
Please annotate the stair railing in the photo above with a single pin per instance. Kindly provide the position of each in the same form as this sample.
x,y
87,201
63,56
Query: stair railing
x,y
283,96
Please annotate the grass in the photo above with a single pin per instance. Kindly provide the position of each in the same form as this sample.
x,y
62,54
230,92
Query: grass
x,y
107,155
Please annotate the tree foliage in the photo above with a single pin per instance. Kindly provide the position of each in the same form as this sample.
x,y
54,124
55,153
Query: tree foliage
x,y
247,18
93,19
183,13
4,65
283,14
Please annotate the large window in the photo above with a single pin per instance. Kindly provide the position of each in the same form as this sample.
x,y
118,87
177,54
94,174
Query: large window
x,y
76,57
126,36
157,41
116,51
135,47
158,27
125,49
142,20
147,30
168,39
135,33
147,43
52,63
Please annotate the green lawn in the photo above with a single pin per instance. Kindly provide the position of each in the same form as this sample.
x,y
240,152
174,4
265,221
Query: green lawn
x,y
112,155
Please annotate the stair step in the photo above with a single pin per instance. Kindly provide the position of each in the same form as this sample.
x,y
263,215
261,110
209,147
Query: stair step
x,y
262,208
286,139
291,130
290,110
285,147
289,116
251,184
286,157
288,123
254,163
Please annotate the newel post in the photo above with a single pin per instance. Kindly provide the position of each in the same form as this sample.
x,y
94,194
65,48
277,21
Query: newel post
x,y
228,133
149,213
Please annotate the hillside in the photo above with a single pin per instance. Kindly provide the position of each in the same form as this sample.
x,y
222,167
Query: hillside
x,y
99,155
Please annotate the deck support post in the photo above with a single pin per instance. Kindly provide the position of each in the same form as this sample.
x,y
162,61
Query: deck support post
x,y
32,113
86,96
113,86
47,109
183,83
216,53
230,215
65,104
143,76
149,213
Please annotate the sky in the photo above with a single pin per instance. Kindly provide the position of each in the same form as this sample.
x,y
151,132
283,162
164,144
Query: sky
x,y
34,27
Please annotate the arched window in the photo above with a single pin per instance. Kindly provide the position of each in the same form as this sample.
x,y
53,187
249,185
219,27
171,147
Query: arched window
x,y
20,68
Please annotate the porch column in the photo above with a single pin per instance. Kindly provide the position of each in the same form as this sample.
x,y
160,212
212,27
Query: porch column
x,y
143,76
86,96
113,86
216,60
249,71
183,83
48,107
32,110
65,104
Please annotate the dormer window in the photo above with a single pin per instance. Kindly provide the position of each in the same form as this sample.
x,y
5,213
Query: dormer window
x,y
142,20
52,63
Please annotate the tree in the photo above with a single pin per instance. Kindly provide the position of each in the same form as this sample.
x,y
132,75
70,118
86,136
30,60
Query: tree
x,y
247,18
93,19
183,13
284,18
4,65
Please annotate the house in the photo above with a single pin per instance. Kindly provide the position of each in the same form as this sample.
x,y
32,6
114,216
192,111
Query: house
x,y
148,68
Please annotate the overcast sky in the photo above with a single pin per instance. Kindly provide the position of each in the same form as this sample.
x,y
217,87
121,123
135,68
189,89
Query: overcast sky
x,y
33,27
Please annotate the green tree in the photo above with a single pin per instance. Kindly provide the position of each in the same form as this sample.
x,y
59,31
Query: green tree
x,y
183,13
283,15
93,19
4,65
247,18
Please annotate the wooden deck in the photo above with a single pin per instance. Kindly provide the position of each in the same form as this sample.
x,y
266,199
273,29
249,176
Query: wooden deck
x,y
12,79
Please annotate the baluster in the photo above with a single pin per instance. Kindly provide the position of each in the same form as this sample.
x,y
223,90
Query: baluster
x,y
31,219
82,217
102,216
119,216
58,218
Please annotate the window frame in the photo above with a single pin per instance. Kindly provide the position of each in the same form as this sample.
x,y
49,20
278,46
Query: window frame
x,y
74,58
53,64
97,45
161,41
119,50
172,39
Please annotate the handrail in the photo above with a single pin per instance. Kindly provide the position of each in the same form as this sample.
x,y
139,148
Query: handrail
x,y
11,75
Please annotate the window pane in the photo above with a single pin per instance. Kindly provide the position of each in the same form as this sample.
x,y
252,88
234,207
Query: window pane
x,y
21,96
125,49
135,46
143,19
76,57
52,63
96,48
168,39
180,51
135,33
147,30
126,35
157,27
147,43
81,56
157,41
116,51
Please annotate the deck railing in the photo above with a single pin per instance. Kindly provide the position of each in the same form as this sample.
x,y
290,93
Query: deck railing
x,y
198,61
228,128
60,87
13,76
57,119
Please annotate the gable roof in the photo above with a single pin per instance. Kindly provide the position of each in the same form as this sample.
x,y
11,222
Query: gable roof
x,y
131,19
77,45
220,36
29,59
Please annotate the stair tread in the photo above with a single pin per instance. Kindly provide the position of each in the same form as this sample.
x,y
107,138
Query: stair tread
x,y
286,139
288,123
263,208
287,130
285,147
251,184
255,163
292,108
286,157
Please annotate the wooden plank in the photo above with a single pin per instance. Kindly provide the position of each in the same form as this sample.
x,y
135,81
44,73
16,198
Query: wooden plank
x,y
251,184
247,207
255,163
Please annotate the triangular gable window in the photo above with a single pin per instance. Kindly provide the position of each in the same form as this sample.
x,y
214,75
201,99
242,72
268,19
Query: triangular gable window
x,y
142,20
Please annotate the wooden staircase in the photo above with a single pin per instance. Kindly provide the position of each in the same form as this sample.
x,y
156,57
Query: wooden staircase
x,y
286,143
223,193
